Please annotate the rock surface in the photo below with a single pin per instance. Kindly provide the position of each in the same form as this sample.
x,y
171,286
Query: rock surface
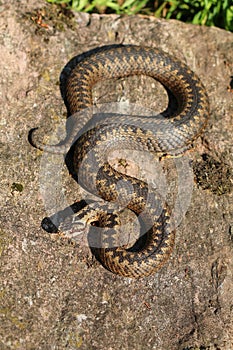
x,y
53,295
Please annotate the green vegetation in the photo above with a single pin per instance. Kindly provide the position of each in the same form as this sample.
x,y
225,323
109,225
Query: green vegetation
x,y
204,12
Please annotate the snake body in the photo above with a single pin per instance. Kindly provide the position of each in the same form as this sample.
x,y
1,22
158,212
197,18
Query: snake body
x,y
168,134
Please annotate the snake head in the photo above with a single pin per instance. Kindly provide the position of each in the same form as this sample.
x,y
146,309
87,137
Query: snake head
x,y
73,226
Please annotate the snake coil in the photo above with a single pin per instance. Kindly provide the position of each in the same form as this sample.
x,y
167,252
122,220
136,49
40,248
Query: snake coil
x,y
164,134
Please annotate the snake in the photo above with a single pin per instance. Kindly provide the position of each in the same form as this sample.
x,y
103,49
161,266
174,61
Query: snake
x,y
169,133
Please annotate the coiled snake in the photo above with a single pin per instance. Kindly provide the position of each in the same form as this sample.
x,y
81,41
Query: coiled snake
x,y
166,134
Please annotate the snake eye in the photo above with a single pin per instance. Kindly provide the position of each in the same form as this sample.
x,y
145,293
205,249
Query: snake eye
x,y
95,223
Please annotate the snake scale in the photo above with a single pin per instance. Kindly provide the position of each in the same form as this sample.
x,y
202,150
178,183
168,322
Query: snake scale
x,y
166,134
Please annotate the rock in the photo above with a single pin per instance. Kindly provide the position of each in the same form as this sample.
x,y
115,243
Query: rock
x,y
53,295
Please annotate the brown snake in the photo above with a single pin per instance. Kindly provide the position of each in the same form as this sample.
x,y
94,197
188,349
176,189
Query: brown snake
x,y
166,134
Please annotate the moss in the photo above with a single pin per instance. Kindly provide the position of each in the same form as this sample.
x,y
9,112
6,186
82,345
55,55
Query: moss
x,y
214,175
51,18
16,187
